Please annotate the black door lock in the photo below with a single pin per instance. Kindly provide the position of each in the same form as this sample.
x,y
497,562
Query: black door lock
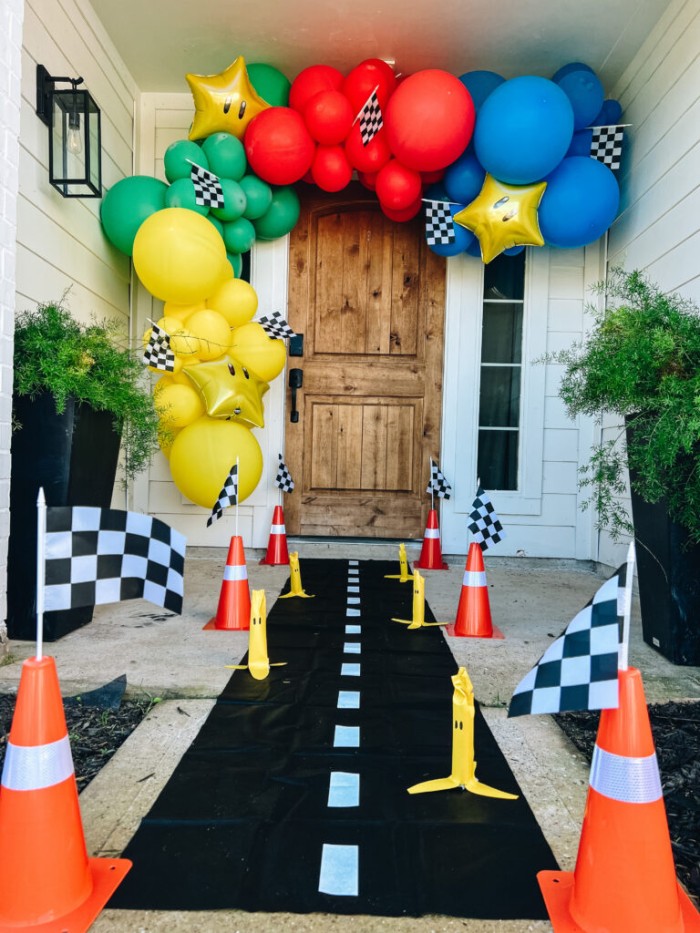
x,y
296,380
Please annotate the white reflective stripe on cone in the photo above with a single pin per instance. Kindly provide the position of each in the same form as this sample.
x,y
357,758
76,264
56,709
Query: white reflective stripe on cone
x,y
432,533
34,767
277,530
474,578
235,572
629,780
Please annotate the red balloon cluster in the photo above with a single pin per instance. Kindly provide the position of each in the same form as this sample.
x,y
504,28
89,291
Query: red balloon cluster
x,y
428,120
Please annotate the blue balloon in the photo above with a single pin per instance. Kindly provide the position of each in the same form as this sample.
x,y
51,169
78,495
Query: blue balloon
x,y
581,143
567,69
609,114
580,202
523,130
474,249
513,250
480,84
585,92
463,237
464,179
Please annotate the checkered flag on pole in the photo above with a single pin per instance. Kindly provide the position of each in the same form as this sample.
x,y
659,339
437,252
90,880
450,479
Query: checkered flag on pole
x,y
579,670
371,119
485,524
158,353
95,556
438,485
276,326
227,496
439,226
207,187
284,477
606,145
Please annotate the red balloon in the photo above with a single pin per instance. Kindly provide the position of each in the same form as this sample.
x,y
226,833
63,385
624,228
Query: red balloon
x,y
430,178
398,186
278,146
364,78
330,169
312,81
369,158
429,120
328,117
408,213
368,179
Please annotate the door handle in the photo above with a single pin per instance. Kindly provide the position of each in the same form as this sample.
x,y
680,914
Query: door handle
x,y
296,380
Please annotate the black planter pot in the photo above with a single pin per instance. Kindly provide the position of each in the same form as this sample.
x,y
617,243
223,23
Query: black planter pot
x,y
74,457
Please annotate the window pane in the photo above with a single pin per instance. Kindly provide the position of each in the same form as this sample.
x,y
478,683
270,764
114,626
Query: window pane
x,y
502,337
504,277
499,401
497,464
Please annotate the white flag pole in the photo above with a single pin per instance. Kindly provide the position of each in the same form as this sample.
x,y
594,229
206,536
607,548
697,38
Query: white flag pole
x,y
237,478
623,662
40,570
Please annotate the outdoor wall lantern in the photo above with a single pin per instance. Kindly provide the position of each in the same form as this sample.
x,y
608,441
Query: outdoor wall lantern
x,y
75,149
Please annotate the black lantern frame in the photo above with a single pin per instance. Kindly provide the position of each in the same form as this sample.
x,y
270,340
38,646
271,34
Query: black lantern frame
x,y
75,145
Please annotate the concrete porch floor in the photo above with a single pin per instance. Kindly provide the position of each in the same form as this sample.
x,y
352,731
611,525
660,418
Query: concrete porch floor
x,y
173,659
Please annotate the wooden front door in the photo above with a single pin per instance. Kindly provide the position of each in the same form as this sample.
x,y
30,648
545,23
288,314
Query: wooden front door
x,y
369,297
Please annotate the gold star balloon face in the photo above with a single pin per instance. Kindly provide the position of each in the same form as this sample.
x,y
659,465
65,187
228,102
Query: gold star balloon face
x,y
502,216
226,102
230,391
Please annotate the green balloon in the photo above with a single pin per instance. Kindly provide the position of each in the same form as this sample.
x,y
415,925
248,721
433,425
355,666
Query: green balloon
x,y
217,224
258,196
126,205
234,201
236,261
281,216
226,155
239,235
270,84
179,157
181,194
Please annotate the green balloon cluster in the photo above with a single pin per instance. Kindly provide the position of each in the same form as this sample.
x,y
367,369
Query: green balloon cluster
x,y
252,210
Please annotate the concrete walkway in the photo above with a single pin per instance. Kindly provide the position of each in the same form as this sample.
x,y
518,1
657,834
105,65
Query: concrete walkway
x,y
173,659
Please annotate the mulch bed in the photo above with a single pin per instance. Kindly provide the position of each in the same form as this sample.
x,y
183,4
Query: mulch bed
x,y
676,731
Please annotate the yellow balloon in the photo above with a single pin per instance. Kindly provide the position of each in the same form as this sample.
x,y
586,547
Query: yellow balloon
x,y
182,312
213,331
178,405
236,299
179,256
226,102
262,354
204,452
166,439
184,343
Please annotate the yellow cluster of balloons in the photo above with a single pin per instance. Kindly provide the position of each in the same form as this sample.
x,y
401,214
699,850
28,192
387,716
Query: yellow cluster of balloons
x,y
223,363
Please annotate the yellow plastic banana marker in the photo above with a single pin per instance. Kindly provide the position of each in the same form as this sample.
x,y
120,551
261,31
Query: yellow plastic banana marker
x,y
258,661
295,587
404,576
418,620
463,764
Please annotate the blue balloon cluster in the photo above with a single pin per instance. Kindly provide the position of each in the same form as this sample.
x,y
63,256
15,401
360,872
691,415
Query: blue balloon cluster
x,y
531,129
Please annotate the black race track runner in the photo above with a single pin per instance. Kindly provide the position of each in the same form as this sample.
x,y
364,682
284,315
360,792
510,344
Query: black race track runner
x,y
245,822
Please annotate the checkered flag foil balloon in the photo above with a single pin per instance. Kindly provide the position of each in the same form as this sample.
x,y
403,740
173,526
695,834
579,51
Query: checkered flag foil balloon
x,y
207,188
485,524
276,326
228,496
95,556
284,477
371,119
158,353
439,226
438,485
606,145
579,670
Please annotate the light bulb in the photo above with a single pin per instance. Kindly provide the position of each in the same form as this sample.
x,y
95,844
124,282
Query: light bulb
x,y
74,139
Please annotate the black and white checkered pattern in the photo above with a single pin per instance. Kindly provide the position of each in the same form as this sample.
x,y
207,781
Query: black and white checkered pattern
x,y
439,225
606,145
276,326
284,477
371,119
158,353
485,524
438,485
227,496
580,669
96,556
207,188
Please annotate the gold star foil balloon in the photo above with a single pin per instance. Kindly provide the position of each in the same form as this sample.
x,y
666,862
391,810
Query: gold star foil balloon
x,y
230,391
502,216
226,102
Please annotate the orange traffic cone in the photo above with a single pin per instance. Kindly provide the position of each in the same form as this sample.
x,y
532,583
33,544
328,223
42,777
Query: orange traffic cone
x,y
624,878
47,881
431,555
277,545
233,612
473,612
